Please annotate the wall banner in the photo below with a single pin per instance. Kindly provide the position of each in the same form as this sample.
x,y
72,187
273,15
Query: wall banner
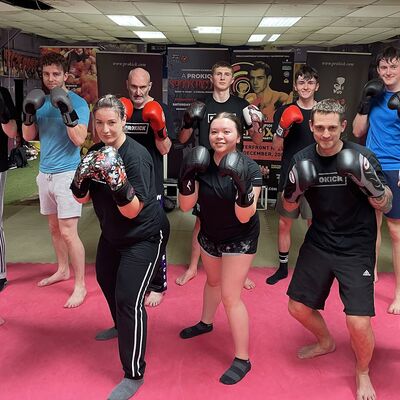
x,y
342,76
189,72
114,67
264,79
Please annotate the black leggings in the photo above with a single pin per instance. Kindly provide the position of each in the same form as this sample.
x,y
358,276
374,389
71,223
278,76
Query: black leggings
x,y
124,275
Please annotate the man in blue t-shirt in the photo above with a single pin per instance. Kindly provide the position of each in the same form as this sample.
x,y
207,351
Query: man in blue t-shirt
x,y
382,123
61,119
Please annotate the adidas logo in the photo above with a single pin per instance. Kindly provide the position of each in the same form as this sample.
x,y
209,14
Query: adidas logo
x,y
366,273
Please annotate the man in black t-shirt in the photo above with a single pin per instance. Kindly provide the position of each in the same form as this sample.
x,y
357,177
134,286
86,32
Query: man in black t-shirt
x,y
344,184
8,129
198,116
291,134
151,126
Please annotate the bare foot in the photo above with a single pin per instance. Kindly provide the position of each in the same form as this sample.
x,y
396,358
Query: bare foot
x,y
365,390
189,274
315,350
56,277
76,298
394,308
154,299
2,321
249,284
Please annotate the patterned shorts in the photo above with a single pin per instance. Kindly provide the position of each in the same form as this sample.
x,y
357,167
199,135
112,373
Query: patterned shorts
x,y
245,246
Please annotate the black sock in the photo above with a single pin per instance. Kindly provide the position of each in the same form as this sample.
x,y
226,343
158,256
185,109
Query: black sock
x,y
236,372
282,271
196,330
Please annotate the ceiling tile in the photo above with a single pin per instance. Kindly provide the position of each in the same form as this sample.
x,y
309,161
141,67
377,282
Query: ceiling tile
x,y
332,10
162,20
242,21
77,7
239,29
385,23
316,21
115,7
249,10
339,30
289,10
375,11
193,22
159,8
211,10
353,21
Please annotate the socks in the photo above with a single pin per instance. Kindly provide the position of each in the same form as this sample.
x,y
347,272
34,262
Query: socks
x,y
125,389
107,334
196,330
236,372
282,271
3,283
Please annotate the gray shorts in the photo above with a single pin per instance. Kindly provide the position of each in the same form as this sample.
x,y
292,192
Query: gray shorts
x,y
55,195
303,209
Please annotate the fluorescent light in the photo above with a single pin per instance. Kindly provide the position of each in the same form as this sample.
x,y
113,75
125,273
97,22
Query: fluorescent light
x,y
208,29
149,35
256,38
273,37
278,21
125,20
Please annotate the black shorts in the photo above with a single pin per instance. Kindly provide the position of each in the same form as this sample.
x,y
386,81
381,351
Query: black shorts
x,y
245,246
315,271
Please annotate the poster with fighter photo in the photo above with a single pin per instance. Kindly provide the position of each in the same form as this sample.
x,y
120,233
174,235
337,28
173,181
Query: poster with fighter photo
x,y
82,78
113,69
342,76
189,72
264,79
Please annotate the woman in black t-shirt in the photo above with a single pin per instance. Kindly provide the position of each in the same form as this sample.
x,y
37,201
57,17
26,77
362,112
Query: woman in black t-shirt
x,y
118,175
226,184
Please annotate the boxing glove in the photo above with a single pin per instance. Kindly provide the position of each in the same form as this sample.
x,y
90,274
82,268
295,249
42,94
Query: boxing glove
x,y
32,102
353,164
197,160
195,112
128,105
235,165
5,115
83,174
373,88
302,176
252,114
109,167
154,115
394,103
60,99
290,116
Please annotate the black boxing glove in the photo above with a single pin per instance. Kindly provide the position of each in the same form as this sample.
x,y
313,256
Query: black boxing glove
x,y
194,113
302,176
197,160
373,88
394,103
353,164
235,165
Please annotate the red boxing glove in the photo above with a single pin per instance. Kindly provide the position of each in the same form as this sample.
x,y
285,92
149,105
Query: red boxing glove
x,y
154,114
128,107
290,115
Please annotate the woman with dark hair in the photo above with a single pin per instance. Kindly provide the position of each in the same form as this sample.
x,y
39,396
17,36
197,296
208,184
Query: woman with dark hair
x,y
118,176
226,184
